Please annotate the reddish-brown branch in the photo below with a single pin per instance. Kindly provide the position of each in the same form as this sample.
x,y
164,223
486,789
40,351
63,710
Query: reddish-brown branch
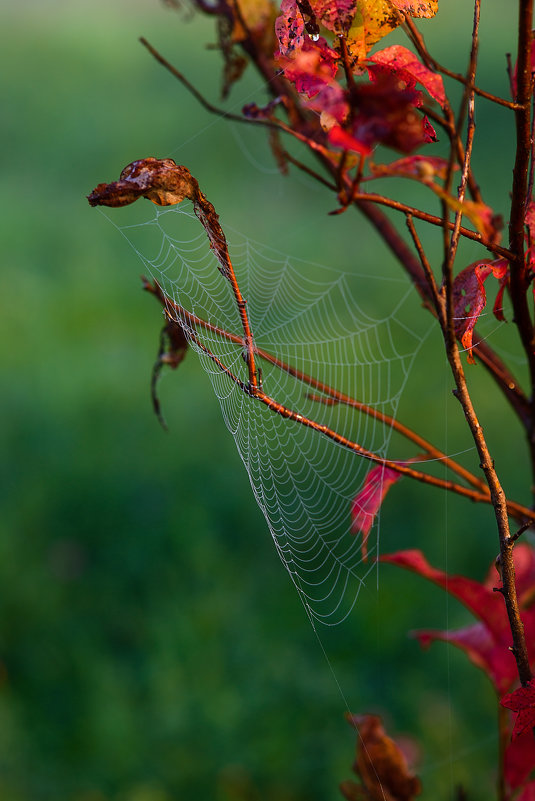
x,y
432,63
182,316
498,499
199,97
516,510
467,108
518,287
330,394
519,279
500,373
370,197
450,126
428,272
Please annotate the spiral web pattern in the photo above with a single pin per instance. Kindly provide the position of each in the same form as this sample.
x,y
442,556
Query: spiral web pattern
x,y
309,318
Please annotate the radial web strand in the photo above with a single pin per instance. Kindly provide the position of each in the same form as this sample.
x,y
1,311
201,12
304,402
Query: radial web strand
x,y
308,317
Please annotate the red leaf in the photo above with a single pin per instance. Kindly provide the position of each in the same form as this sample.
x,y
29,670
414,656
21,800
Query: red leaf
x,y
482,649
500,271
528,793
522,701
518,763
488,642
407,66
470,298
290,27
386,115
340,138
310,68
430,135
529,218
335,15
367,503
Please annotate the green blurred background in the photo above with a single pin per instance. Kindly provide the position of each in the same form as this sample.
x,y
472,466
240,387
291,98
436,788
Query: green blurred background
x,y
152,646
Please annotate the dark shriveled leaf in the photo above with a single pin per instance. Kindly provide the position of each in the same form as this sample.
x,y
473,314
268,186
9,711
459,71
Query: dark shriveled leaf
x,y
165,183
380,764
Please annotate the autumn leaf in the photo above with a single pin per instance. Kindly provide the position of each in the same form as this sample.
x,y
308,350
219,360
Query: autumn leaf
x,y
521,701
410,69
165,183
518,765
290,27
487,643
480,215
470,298
311,68
380,764
417,8
158,180
368,501
335,15
420,168
529,220
172,349
385,115
374,19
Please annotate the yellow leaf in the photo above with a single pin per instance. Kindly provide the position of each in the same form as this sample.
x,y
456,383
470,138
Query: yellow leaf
x,y
374,19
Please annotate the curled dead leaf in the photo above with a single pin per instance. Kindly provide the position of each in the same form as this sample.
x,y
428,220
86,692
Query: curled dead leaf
x,y
160,180
380,764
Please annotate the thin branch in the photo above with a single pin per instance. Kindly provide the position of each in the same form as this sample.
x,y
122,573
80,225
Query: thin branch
x,y
433,289
498,498
433,64
519,281
453,131
433,220
518,287
199,97
331,394
467,106
309,171
503,377
181,316
514,509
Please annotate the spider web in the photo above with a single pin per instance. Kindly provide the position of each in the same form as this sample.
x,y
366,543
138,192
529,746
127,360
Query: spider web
x,y
308,317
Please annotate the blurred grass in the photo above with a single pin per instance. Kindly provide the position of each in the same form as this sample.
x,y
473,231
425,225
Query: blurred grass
x,y
151,644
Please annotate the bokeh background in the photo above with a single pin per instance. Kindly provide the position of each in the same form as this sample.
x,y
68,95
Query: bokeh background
x,y
152,647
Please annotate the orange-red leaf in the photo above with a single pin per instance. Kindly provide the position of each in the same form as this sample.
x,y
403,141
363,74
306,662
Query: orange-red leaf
x,y
417,8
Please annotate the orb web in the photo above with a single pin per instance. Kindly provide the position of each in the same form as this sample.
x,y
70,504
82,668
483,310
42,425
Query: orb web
x,y
309,320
